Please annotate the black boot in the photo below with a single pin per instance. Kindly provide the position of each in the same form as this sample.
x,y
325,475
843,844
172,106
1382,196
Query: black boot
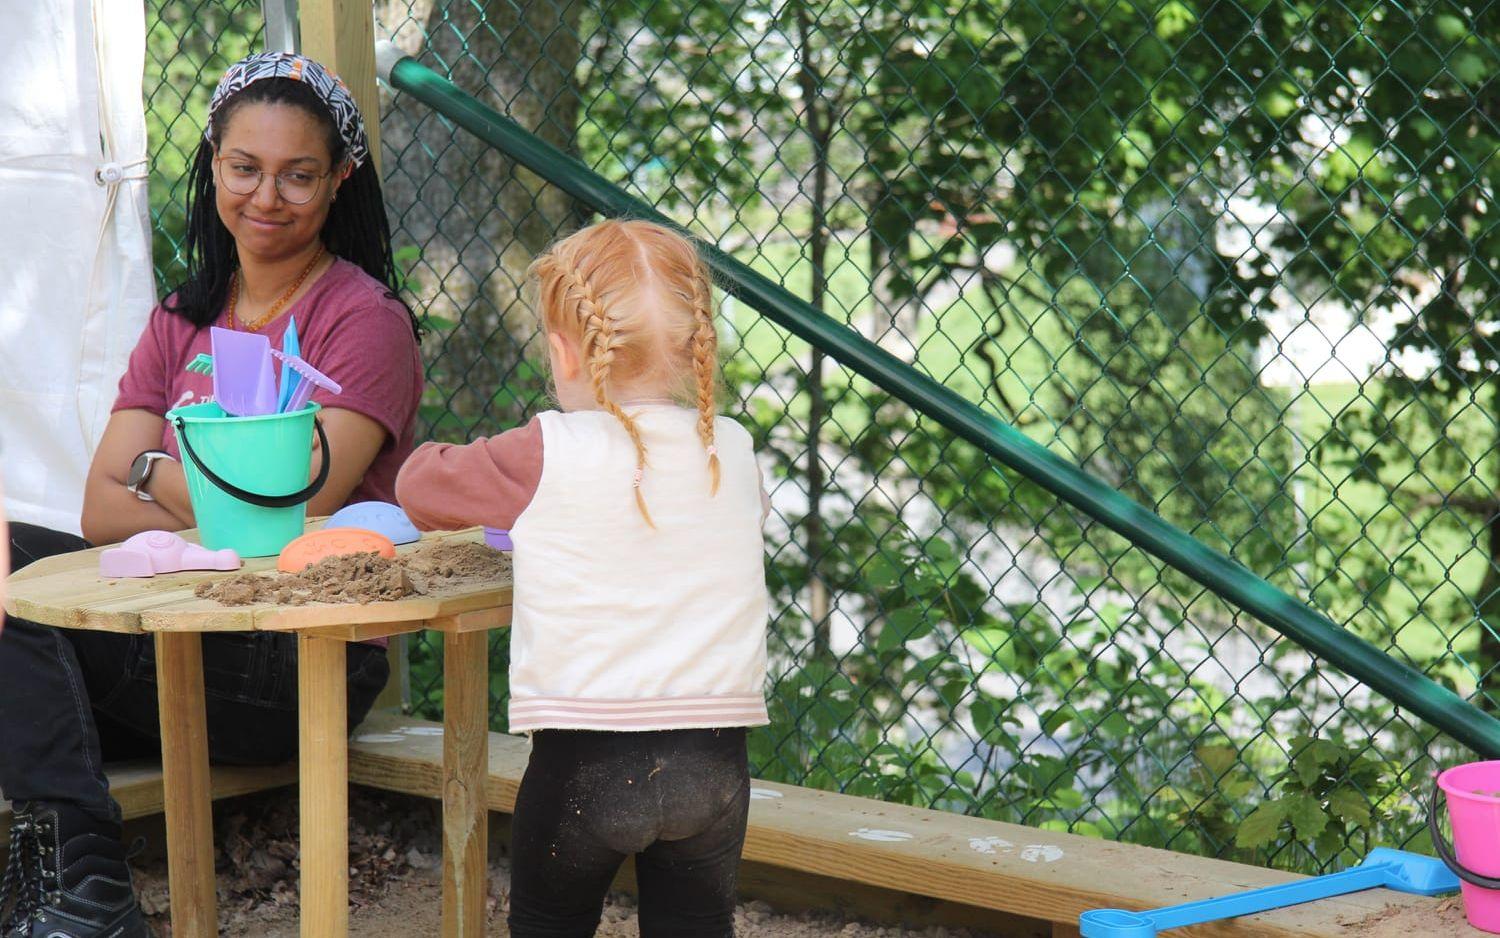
x,y
67,877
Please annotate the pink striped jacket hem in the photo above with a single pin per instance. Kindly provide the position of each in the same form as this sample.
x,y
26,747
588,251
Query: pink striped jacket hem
x,y
644,713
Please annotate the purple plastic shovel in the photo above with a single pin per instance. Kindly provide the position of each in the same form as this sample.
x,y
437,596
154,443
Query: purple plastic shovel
x,y
244,377
312,379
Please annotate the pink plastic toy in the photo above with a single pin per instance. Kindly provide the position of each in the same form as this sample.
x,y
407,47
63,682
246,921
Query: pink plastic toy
x,y
153,552
310,379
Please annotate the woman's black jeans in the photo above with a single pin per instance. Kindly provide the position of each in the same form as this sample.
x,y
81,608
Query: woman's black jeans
x,y
71,699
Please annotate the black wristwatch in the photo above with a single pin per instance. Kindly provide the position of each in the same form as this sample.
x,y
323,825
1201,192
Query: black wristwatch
x,y
140,471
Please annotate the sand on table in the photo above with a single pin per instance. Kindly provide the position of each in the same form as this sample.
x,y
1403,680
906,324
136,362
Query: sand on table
x,y
364,578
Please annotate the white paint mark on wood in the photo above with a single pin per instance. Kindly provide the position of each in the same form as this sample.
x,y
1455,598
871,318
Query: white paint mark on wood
x,y
1041,853
879,835
989,844
759,794
378,738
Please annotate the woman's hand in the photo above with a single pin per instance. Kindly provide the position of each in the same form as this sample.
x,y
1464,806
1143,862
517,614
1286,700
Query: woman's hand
x,y
111,512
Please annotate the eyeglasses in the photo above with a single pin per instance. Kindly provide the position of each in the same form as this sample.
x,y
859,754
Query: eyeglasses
x,y
295,186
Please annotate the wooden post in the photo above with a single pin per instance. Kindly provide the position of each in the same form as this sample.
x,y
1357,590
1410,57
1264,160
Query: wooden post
x,y
323,763
185,783
466,759
341,35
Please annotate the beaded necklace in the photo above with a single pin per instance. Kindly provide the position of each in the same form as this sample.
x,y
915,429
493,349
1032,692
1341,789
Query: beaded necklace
x,y
276,307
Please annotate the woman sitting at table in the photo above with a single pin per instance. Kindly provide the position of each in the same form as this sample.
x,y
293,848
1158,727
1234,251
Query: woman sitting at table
x,y
285,220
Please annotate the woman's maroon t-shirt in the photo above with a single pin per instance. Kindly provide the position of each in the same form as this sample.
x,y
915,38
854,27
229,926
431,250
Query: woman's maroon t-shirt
x,y
348,328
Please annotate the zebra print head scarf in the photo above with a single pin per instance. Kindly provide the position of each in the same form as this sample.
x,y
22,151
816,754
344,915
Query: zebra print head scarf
x,y
326,84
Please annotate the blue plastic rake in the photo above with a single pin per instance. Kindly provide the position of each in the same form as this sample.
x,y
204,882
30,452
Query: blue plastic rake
x,y
1392,869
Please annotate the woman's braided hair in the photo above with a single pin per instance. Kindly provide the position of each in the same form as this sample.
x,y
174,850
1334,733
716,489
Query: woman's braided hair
x,y
638,301
356,229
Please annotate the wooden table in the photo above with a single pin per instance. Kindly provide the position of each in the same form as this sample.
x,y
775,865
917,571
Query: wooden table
x,y
67,591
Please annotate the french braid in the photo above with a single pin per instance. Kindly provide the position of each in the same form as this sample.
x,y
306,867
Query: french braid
x,y
599,344
637,300
705,354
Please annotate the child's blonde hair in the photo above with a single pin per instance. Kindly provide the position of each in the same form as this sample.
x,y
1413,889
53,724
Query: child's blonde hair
x,y
636,298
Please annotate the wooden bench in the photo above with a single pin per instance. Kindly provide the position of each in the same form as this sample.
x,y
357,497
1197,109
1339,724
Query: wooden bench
x,y
137,786
1005,877
1029,881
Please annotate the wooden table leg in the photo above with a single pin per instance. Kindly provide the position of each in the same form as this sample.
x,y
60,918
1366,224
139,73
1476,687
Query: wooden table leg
x,y
186,785
466,740
323,763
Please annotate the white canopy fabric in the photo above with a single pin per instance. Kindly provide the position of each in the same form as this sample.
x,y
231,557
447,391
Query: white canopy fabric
x,y
75,240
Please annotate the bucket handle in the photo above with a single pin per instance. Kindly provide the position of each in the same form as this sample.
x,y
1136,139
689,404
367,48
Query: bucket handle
x,y
1445,850
262,501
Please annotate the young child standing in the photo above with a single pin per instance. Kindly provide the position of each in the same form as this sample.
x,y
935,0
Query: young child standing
x,y
638,643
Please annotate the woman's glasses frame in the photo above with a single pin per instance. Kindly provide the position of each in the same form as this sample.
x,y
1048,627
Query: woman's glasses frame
x,y
281,184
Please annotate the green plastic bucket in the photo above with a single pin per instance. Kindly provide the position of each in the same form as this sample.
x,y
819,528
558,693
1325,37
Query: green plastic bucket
x,y
247,476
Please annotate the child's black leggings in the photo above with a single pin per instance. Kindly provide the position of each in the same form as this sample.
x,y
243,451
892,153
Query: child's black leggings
x,y
675,799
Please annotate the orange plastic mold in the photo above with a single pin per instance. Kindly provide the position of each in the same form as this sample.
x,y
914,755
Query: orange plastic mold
x,y
332,542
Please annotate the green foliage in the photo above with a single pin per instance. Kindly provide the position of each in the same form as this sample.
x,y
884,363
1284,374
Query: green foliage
x,y
1085,217
1323,805
189,44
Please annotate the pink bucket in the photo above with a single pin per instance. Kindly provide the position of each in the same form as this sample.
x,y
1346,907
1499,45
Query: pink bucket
x,y
1473,793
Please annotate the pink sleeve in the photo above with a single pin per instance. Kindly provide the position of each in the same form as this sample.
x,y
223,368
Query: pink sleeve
x,y
371,353
145,383
444,486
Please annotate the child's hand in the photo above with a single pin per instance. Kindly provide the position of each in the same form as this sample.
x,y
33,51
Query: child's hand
x,y
447,486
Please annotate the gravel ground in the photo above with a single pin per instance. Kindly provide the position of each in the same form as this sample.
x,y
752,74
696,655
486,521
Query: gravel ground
x,y
395,883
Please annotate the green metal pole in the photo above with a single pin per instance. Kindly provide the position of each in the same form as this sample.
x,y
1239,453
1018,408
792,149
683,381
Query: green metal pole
x,y
1228,579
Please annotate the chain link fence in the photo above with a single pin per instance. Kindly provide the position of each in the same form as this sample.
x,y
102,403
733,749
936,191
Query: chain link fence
x,y
1238,258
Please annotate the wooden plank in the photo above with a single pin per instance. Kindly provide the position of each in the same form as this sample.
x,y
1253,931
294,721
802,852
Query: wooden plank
x,y
1025,871
21,608
207,615
364,631
137,787
341,35
57,563
188,613
323,759
404,754
478,620
144,795
184,754
795,892
944,858
466,699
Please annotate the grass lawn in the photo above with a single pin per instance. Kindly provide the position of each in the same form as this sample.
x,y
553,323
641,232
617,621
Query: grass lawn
x,y
1422,609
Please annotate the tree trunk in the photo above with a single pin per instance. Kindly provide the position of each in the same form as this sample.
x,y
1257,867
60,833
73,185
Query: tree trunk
x,y
816,117
476,216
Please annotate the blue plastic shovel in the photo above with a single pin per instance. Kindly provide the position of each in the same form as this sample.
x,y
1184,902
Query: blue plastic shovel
x,y
1393,869
289,346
